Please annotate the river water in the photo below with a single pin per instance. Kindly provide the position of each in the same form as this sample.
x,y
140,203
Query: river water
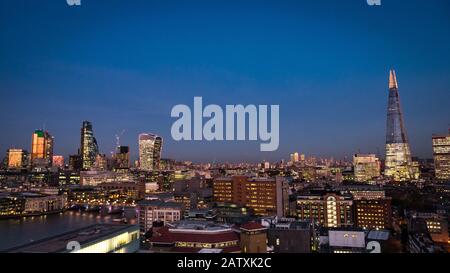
x,y
16,232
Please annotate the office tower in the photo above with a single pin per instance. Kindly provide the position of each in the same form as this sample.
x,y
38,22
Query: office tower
x,y
16,158
89,147
399,164
58,161
441,154
41,149
122,157
266,196
149,152
366,167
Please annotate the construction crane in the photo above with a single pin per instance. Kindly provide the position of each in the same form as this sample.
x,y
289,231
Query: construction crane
x,y
118,136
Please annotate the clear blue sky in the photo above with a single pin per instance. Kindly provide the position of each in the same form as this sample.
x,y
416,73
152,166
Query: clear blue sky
x,y
124,65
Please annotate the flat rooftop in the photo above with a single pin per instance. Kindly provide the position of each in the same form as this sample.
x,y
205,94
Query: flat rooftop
x,y
58,243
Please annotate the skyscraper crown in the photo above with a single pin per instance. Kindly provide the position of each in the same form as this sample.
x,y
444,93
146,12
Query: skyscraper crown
x,y
393,80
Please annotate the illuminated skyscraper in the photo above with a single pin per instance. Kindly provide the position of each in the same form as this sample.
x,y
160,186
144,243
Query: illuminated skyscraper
x,y
441,154
149,152
17,158
399,165
41,149
89,147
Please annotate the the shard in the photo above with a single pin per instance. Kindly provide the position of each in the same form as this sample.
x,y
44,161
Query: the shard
x,y
399,165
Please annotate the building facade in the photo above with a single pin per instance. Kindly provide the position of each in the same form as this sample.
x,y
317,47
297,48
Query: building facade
x,y
373,213
265,196
41,149
327,209
17,159
441,155
150,147
253,238
366,167
151,211
122,158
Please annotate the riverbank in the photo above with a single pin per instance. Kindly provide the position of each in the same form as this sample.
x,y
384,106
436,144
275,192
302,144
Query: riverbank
x,y
23,230
31,214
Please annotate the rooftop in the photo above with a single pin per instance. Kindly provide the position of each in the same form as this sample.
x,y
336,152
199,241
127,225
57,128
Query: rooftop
x,y
58,243
161,204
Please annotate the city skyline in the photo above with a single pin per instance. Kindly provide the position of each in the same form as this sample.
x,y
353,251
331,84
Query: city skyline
x,y
399,135
332,98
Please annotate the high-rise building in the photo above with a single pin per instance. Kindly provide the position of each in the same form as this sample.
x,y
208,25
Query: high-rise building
x,y
150,147
366,167
89,147
266,196
17,158
41,149
441,154
122,157
399,165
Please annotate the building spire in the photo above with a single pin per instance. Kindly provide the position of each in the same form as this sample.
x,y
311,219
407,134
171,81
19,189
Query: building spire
x,y
393,80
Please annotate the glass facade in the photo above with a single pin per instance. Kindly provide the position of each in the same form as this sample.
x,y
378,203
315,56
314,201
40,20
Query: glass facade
x,y
42,147
89,147
399,165
441,153
150,147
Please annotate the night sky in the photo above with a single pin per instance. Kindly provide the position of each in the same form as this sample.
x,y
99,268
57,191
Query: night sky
x,y
124,64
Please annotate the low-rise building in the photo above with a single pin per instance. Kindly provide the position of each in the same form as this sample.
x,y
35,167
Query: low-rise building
x,y
99,238
289,236
253,237
40,203
195,236
151,211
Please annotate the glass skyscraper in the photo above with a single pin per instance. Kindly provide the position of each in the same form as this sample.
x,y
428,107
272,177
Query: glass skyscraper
x,y
41,148
399,165
89,147
150,146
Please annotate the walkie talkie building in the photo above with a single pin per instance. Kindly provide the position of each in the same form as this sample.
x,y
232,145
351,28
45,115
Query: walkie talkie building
x,y
399,165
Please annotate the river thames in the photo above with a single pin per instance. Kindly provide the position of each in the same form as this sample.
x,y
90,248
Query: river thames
x,y
16,232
